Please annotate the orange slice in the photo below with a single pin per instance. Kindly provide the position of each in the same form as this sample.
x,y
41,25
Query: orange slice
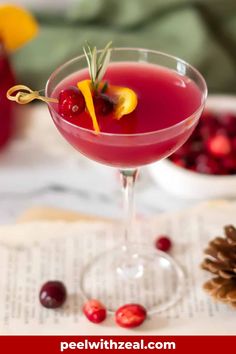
x,y
126,100
17,26
85,88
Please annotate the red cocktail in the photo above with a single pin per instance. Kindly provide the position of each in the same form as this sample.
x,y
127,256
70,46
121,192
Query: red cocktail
x,y
165,100
171,96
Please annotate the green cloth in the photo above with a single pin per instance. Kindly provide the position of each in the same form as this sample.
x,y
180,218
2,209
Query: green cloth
x,y
203,32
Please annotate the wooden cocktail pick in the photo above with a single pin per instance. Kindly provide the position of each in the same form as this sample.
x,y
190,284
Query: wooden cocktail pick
x,y
23,94
221,261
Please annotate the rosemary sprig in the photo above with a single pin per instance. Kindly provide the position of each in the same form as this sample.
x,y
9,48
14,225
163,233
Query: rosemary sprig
x,y
97,64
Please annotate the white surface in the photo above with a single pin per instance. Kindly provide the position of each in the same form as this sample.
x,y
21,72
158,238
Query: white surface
x,y
186,184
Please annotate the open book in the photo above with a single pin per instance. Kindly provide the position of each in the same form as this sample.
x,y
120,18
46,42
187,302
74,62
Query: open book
x,y
33,253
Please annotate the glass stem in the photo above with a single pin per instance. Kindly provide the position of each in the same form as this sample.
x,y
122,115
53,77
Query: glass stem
x,y
128,182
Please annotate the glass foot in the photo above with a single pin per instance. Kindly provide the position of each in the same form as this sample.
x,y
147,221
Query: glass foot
x,y
133,274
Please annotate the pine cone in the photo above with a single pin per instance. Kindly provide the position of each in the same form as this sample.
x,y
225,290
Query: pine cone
x,y
221,261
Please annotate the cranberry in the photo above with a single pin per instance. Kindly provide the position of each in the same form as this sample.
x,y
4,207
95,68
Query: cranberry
x,y
228,121
206,131
212,146
206,164
184,161
163,243
179,161
219,145
229,163
95,311
195,135
233,144
130,315
208,116
208,124
103,104
52,294
71,102
196,147
182,151
209,119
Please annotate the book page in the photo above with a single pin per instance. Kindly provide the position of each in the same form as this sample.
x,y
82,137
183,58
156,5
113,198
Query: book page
x,y
33,253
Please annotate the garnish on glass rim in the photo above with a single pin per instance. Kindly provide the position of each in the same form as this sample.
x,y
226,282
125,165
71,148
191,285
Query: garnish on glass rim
x,y
97,64
125,99
111,99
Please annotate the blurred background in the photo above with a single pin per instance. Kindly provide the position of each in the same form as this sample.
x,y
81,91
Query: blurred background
x,y
202,32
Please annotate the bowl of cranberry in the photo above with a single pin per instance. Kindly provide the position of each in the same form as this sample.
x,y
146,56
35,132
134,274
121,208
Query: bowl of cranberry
x,y
205,166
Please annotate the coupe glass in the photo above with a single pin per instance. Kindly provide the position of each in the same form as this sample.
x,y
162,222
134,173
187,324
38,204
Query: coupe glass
x,y
132,272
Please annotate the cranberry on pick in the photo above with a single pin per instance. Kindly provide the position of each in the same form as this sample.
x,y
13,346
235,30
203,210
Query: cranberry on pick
x,y
52,294
71,102
130,315
95,311
103,104
163,243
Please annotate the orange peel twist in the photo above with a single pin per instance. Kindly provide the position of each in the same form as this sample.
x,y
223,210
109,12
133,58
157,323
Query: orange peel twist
x,y
126,100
